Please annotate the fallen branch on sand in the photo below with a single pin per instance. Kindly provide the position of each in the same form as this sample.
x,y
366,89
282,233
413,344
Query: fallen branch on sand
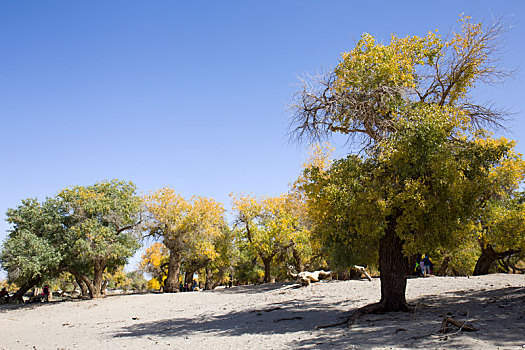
x,y
461,325
306,277
362,270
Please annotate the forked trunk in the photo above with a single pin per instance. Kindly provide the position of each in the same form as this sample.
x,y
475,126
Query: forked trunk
x,y
488,257
393,267
171,284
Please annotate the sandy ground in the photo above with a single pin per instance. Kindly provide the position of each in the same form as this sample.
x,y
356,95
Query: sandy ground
x,y
277,316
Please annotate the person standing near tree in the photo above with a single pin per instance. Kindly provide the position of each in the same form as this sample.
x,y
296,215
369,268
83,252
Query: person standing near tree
x,y
4,295
45,292
422,266
428,263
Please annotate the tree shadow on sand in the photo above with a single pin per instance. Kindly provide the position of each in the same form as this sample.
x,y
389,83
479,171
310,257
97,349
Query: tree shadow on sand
x,y
254,289
499,315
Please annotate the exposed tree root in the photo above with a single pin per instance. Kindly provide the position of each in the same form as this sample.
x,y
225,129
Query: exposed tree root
x,y
461,325
377,308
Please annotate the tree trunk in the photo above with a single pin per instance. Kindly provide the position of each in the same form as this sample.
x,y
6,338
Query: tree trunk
x,y
267,269
209,279
103,290
219,277
188,276
444,266
488,257
18,296
171,284
299,266
82,286
393,267
95,288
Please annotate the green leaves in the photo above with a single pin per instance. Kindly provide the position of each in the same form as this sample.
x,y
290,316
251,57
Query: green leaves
x,y
101,220
72,231
33,247
426,176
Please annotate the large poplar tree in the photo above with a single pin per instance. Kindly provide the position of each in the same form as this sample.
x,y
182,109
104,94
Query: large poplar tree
x,y
424,162
188,228
101,235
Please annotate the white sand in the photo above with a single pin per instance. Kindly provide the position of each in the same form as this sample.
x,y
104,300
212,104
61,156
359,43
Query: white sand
x,y
236,318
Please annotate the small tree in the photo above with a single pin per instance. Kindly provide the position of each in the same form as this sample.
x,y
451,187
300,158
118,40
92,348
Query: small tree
x,y
155,262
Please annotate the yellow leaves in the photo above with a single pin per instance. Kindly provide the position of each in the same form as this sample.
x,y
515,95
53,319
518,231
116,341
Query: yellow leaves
x,y
168,208
155,255
370,65
154,284
270,223
187,226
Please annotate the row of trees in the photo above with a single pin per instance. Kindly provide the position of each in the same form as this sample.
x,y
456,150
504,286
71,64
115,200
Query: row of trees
x,y
333,217
84,231
90,232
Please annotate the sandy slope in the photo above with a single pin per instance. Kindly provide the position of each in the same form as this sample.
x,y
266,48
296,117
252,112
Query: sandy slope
x,y
277,316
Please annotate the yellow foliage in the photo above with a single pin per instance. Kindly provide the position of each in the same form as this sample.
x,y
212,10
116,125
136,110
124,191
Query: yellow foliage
x,y
189,226
270,223
154,284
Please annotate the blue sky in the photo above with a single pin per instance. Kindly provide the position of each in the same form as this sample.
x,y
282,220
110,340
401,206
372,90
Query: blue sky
x,y
190,95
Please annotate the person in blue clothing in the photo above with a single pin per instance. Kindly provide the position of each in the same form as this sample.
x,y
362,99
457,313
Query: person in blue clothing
x,y
427,263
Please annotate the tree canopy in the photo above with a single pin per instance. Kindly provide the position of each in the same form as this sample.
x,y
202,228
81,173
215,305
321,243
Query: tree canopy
x,y
188,228
426,163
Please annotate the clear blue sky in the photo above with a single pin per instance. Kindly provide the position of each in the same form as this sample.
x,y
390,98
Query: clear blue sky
x,y
187,94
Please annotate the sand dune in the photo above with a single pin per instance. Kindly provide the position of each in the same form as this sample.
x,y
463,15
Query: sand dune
x,y
277,316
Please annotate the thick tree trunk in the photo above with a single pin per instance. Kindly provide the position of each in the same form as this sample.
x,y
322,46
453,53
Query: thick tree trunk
x,y
208,285
393,267
267,269
171,284
95,288
18,296
444,266
488,257
219,277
